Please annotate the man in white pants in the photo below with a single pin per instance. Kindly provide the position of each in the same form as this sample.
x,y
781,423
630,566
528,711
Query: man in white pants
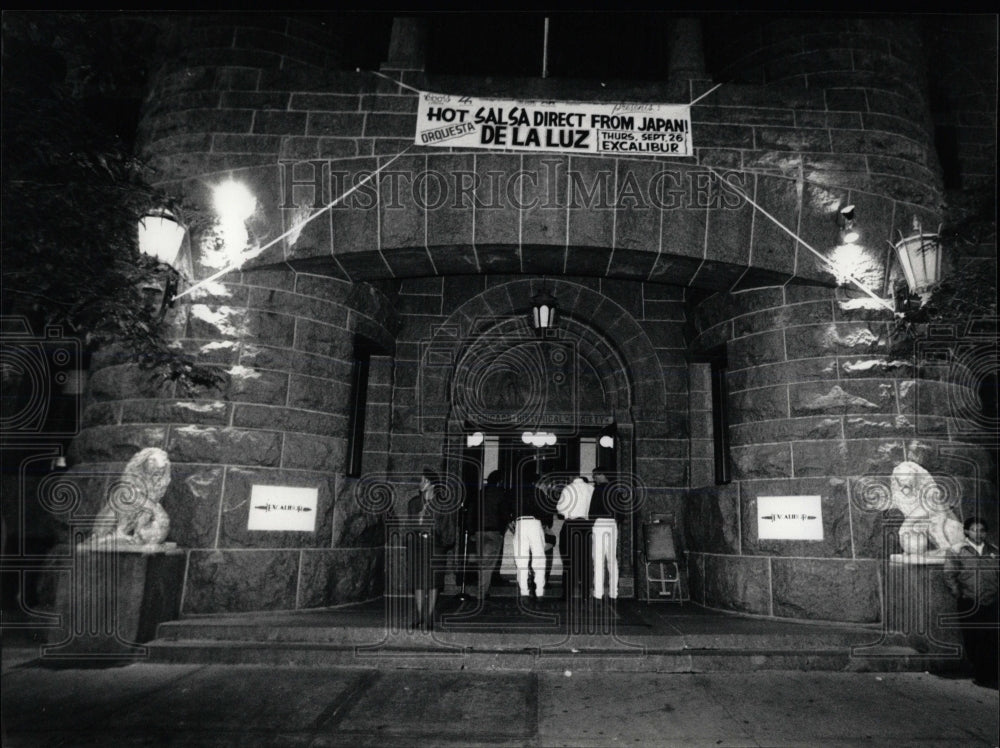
x,y
529,541
604,545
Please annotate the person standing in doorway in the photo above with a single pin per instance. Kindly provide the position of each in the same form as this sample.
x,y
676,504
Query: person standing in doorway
x,y
426,546
970,571
529,540
487,520
574,536
604,541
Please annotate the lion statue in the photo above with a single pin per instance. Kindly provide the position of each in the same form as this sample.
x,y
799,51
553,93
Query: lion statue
x,y
132,514
929,529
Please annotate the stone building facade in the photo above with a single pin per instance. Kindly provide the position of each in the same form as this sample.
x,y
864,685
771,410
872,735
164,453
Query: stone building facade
x,y
664,277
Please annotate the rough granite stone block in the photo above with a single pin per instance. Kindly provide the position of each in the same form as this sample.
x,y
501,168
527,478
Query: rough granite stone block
x,y
313,393
174,411
712,519
116,443
226,446
845,338
730,220
806,313
403,199
334,577
103,414
270,328
192,501
857,396
790,372
587,259
826,589
662,472
317,102
451,222
591,202
787,430
355,218
296,362
739,583
340,124
876,456
238,581
792,139
638,205
719,276
257,386
389,125
313,452
123,598
674,269
127,381
818,458
323,339
756,461
763,404
543,197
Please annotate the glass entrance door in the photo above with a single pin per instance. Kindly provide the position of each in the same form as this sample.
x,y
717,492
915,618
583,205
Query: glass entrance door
x,y
521,463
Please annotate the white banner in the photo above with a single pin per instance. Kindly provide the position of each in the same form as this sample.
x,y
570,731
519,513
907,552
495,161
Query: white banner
x,y
554,126
789,518
282,508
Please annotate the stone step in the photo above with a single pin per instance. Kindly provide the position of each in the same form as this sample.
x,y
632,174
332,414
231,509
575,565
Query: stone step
x,y
420,651
605,636
538,635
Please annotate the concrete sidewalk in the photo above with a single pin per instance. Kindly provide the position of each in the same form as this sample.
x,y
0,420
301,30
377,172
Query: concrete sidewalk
x,y
226,705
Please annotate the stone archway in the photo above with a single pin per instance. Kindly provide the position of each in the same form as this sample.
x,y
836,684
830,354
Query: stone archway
x,y
604,333
612,346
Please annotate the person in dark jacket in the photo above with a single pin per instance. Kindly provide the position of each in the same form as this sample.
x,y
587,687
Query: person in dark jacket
x,y
970,571
604,538
573,508
426,545
486,520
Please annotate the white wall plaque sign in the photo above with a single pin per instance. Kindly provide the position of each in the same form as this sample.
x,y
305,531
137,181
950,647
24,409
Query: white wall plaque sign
x,y
789,518
282,508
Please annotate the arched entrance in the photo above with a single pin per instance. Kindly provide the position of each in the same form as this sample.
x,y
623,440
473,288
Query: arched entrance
x,y
530,404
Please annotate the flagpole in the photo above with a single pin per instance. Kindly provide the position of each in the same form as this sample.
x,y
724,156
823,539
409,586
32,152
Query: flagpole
x,y
545,49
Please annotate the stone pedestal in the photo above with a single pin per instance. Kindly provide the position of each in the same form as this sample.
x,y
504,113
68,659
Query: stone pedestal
x,y
918,604
111,601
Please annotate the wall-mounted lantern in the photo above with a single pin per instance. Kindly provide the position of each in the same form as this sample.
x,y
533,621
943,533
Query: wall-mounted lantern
x,y
919,256
543,311
849,233
161,237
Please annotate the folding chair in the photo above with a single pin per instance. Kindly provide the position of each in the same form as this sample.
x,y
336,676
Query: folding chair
x,y
660,561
